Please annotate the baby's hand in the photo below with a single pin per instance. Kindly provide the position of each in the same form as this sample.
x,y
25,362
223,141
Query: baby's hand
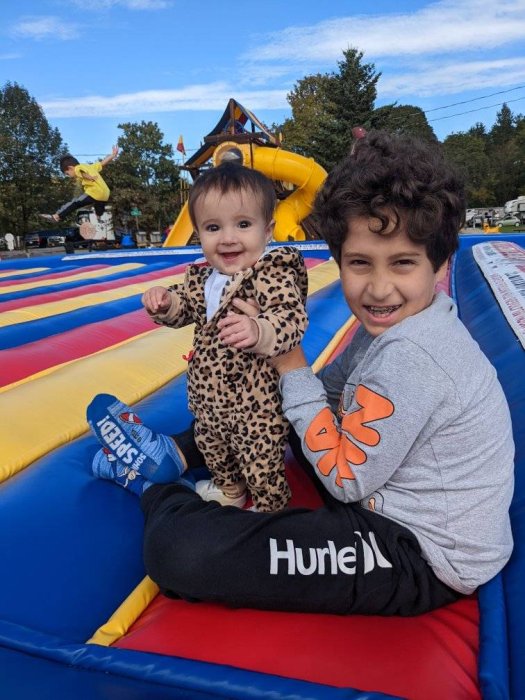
x,y
156,300
238,330
247,306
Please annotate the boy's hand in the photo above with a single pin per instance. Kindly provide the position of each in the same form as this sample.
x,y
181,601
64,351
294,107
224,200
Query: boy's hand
x,y
156,300
288,361
112,156
238,331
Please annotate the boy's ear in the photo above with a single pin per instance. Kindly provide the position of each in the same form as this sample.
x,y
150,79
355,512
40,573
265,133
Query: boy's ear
x,y
269,230
442,271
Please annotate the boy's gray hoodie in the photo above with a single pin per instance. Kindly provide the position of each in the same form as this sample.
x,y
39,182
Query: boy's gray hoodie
x,y
414,425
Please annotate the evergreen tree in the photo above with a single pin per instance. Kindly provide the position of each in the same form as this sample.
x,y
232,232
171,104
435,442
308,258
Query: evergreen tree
x,y
503,152
520,154
504,127
326,107
352,94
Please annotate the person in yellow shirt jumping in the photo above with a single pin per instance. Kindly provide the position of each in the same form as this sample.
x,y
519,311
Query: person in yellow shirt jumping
x,y
95,190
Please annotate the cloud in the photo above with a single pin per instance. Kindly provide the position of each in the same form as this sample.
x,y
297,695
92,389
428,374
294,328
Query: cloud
x,y
44,28
212,97
263,74
427,80
419,47
9,56
445,26
126,4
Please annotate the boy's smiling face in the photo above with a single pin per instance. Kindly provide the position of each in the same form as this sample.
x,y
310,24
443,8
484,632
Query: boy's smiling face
x,y
386,277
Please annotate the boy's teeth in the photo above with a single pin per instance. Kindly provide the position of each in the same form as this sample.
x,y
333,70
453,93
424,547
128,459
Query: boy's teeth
x,y
384,310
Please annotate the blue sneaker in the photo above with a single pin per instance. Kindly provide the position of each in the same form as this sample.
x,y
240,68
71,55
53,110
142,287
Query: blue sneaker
x,y
120,430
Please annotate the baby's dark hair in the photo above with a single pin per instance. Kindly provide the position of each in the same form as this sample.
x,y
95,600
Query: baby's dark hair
x,y
233,177
66,162
400,180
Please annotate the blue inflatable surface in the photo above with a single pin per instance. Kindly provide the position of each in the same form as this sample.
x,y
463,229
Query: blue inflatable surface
x,y
70,545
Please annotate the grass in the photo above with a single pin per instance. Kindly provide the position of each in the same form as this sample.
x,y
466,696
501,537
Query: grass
x,y
512,229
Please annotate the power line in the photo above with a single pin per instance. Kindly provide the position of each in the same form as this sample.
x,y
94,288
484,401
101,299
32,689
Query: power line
x,y
469,111
473,99
96,155
402,118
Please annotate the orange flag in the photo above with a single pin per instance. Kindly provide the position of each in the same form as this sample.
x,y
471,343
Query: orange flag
x,y
180,146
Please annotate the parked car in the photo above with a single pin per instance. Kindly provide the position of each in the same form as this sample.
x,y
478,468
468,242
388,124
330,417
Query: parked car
x,y
32,240
508,221
53,241
48,238
470,217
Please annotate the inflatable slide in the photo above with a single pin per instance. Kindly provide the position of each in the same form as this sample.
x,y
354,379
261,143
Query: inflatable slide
x,y
239,135
303,173
78,617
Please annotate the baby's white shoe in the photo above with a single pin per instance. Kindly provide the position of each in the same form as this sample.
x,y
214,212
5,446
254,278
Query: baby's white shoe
x,y
208,491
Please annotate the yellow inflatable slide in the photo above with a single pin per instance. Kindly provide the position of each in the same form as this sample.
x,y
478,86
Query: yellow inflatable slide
x,y
231,140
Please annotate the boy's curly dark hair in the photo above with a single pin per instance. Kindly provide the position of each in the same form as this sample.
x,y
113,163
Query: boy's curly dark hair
x,y
233,177
67,161
400,180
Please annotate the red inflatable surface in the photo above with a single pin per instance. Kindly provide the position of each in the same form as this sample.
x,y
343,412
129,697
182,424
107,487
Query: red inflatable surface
x,y
430,657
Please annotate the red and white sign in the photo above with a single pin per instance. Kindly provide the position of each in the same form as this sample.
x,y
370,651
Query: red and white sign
x,y
503,264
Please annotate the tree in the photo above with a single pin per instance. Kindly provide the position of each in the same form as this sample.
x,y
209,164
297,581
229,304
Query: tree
x,y
352,94
505,170
478,130
326,107
520,159
504,126
402,119
308,101
30,149
468,151
145,176
503,152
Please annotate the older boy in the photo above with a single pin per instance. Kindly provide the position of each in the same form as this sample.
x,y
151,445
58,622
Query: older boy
x,y
95,190
408,430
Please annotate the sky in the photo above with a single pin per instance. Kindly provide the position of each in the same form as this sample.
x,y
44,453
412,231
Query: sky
x,y
93,64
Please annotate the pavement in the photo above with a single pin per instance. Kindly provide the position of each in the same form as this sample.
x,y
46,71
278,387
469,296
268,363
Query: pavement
x,y
31,253
37,252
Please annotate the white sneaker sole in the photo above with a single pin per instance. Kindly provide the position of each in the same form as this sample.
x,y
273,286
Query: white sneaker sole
x,y
209,492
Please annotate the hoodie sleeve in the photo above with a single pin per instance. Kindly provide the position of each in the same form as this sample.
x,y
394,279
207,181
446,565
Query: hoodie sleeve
x,y
180,312
388,401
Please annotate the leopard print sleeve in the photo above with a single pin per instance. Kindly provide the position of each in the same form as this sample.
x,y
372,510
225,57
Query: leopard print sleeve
x,y
281,286
183,300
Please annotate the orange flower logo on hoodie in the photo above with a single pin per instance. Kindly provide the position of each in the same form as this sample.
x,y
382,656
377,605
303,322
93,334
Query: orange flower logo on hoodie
x,y
341,452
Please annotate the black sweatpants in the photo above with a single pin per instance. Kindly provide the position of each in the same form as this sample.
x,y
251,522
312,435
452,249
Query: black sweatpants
x,y
339,558
83,200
